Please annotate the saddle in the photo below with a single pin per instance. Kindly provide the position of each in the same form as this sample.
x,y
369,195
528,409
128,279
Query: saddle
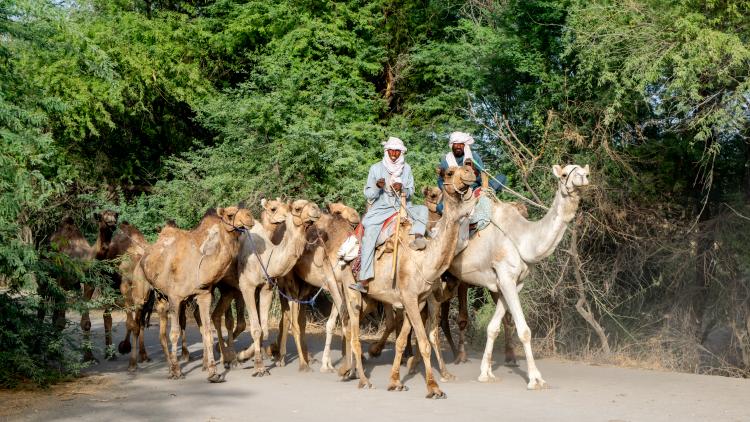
x,y
351,252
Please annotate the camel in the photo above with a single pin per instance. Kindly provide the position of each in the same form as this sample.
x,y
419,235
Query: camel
x,y
183,264
69,240
499,259
128,244
316,269
268,251
415,282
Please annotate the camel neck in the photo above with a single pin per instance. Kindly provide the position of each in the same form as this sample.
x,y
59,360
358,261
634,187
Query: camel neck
x,y
103,240
440,250
288,251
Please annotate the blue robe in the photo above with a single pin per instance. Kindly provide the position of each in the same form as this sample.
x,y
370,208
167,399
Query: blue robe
x,y
478,167
383,203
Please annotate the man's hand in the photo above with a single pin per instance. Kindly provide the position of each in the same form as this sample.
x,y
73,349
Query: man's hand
x,y
397,187
380,183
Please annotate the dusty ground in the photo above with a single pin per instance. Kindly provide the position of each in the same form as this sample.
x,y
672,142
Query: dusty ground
x,y
578,392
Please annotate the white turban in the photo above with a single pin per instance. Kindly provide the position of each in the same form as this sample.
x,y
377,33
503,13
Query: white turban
x,y
461,138
394,143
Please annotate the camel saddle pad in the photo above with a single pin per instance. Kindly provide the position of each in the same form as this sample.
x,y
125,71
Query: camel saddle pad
x,y
481,215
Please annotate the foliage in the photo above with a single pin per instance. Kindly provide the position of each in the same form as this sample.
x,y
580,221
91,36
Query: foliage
x,y
161,109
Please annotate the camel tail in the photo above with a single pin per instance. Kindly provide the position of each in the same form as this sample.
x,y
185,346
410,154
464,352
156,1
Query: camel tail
x,y
148,307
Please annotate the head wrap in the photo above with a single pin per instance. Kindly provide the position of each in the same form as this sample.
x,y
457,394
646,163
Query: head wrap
x,y
394,168
459,138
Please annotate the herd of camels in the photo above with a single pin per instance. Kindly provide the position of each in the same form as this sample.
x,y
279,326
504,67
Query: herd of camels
x,y
294,247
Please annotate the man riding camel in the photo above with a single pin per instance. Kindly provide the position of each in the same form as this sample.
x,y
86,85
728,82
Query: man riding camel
x,y
460,154
386,181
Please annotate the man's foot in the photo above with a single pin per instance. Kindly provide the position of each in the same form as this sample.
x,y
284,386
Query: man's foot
x,y
418,243
359,286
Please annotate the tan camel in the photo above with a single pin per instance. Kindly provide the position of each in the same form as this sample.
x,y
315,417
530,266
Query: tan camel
x,y
415,281
183,264
69,240
128,244
500,257
270,250
316,269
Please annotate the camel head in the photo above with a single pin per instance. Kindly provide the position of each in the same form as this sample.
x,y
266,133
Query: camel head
x,y
458,196
432,197
274,210
235,218
106,218
304,213
572,177
347,213
458,181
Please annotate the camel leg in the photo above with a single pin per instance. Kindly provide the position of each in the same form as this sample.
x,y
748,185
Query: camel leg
x,y
162,309
297,319
223,307
493,329
183,325
88,354
395,384
510,354
327,363
433,315
204,307
510,295
411,306
139,291
109,351
354,306
463,322
390,325
445,326
174,337
239,306
283,332
255,332
124,346
266,298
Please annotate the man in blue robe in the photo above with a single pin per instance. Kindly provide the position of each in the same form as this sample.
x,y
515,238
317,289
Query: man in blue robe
x,y
460,154
385,182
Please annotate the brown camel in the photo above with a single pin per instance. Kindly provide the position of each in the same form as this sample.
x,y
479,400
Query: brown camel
x,y
183,264
268,251
69,240
316,269
128,244
499,259
415,281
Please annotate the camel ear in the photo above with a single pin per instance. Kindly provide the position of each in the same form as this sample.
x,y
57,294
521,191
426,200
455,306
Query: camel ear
x,y
263,202
220,212
424,191
97,216
557,171
438,171
586,168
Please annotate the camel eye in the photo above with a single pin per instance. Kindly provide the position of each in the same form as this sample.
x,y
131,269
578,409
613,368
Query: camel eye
x,y
273,209
565,175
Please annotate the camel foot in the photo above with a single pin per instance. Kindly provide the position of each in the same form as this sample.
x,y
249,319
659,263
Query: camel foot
x,y
280,361
436,393
461,358
327,369
397,386
304,368
185,356
375,350
144,358
488,377
345,372
365,385
124,347
216,378
511,362
536,384
273,350
446,376
132,368
261,372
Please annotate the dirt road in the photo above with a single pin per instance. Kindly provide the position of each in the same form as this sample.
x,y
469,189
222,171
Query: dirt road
x,y
578,392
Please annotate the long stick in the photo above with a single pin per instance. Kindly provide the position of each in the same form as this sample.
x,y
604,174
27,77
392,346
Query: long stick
x,y
397,239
